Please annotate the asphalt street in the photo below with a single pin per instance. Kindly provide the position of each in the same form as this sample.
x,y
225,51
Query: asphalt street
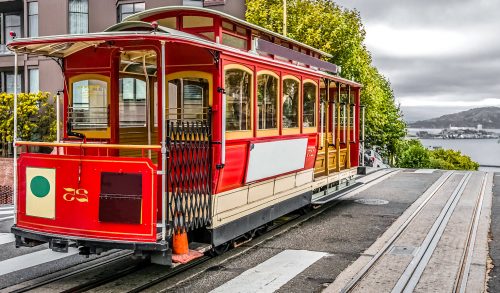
x,y
342,232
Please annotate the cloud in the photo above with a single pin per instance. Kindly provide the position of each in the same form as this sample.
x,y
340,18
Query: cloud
x,y
441,53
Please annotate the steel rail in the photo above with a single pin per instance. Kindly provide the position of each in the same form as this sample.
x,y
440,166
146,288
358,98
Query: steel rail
x,y
289,223
285,225
411,276
434,189
71,274
465,263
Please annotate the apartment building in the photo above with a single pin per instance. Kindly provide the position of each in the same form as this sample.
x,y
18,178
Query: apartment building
x,y
32,18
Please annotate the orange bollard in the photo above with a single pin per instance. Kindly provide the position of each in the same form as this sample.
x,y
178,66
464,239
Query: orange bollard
x,y
180,243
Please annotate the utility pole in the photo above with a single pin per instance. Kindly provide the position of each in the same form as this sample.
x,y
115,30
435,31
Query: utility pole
x,y
284,18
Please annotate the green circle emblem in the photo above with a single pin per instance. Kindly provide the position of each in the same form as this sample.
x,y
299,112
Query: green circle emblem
x,y
40,186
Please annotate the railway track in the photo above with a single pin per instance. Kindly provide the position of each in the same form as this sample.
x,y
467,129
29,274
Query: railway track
x,y
136,266
409,279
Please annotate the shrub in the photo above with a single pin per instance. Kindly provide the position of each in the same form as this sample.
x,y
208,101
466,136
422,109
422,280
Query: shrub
x,y
35,113
412,154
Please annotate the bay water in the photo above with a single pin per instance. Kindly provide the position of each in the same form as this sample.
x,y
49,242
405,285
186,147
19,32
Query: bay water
x,y
484,151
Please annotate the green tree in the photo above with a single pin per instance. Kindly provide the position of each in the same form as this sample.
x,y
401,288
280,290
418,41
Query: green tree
x,y
35,113
340,32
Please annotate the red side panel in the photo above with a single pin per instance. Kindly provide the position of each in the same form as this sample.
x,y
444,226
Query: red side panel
x,y
77,197
233,173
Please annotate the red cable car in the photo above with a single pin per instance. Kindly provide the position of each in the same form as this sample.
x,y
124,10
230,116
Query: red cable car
x,y
182,120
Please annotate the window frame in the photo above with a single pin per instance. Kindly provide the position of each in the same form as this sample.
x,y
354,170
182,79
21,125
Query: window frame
x,y
30,19
7,31
119,14
69,17
30,80
239,134
20,83
293,130
187,74
94,134
273,131
315,127
127,102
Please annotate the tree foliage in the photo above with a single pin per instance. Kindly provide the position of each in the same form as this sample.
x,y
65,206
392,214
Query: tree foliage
x,y
340,32
35,113
412,154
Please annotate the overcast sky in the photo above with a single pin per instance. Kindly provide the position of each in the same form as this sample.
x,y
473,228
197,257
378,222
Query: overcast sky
x,y
441,56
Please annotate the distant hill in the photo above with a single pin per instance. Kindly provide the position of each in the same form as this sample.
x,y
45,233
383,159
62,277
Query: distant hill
x,y
489,117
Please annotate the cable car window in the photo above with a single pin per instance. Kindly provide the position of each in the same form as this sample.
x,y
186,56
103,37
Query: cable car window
x,y
89,109
267,100
170,22
234,41
290,103
309,115
238,101
208,35
196,21
132,102
188,98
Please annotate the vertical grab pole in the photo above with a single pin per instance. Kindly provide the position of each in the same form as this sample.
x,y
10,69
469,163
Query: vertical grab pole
x,y
58,117
163,146
363,134
321,123
344,139
334,122
353,122
223,140
14,140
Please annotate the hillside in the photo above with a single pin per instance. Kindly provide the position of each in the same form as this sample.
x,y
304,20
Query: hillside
x,y
489,117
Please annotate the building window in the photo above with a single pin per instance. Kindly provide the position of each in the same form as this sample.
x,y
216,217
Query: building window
x,y
238,100
9,81
309,116
78,16
198,3
125,10
267,101
12,24
34,83
33,19
291,103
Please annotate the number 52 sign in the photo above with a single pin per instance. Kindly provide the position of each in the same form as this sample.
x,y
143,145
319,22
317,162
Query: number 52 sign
x,y
80,195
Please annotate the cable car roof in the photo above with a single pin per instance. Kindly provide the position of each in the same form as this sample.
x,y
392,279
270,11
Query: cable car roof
x,y
61,46
150,12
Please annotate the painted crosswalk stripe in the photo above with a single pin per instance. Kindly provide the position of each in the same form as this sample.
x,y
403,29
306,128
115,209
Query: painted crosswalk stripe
x,y
6,218
7,212
270,275
9,207
6,238
32,259
425,171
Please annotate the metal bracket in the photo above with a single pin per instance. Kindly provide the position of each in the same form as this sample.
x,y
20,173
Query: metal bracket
x,y
221,90
219,166
59,62
215,56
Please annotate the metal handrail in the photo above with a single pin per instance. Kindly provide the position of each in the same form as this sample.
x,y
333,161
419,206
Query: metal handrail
x,y
88,145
